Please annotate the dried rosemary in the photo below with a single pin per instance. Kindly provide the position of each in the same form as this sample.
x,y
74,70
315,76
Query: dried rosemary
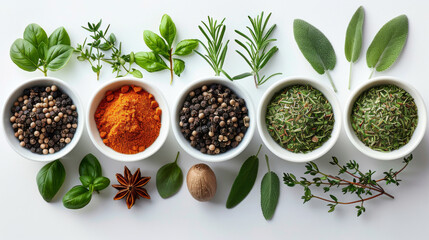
x,y
300,118
384,117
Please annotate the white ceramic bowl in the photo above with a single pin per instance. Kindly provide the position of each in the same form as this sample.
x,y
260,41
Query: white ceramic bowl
x,y
185,144
273,145
94,133
9,132
418,133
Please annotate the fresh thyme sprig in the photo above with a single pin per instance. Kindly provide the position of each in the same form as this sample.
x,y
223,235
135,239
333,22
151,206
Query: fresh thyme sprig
x,y
362,184
215,48
95,52
256,47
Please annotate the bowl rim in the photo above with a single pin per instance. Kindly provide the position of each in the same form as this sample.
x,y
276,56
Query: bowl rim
x,y
165,119
185,144
76,101
415,138
273,146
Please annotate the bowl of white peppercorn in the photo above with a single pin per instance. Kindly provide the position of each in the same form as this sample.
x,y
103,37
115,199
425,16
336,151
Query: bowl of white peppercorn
x,y
213,119
43,119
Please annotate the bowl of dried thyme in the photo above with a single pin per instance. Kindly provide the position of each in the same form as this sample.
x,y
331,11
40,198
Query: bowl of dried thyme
x,y
299,119
385,118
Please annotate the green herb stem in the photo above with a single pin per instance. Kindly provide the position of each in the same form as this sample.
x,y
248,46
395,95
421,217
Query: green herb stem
x,y
268,164
330,80
350,75
372,72
177,157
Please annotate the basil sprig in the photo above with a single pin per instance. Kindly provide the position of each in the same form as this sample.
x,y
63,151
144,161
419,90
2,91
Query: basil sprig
x,y
163,46
36,51
169,179
92,180
50,179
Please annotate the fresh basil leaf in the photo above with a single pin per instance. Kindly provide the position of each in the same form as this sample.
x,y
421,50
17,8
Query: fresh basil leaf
x,y
167,28
24,55
270,191
244,181
50,179
185,47
101,183
58,56
136,73
35,34
387,44
353,43
90,166
169,179
150,61
59,36
78,197
155,43
43,50
178,66
86,180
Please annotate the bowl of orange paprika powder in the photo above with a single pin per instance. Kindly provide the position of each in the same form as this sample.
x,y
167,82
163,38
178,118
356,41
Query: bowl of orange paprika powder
x,y
128,120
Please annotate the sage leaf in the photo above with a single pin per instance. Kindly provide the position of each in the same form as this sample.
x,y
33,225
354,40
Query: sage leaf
x,y
244,181
136,73
101,183
178,66
156,43
270,191
185,47
50,179
315,47
58,56
35,34
90,166
150,61
77,197
86,180
59,36
353,43
169,179
24,55
387,44
167,28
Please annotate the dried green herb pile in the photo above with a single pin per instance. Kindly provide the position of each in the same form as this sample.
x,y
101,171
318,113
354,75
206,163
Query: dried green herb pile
x,y
384,117
300,118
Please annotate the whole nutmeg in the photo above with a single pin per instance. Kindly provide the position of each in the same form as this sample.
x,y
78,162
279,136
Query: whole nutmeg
x,y
201,182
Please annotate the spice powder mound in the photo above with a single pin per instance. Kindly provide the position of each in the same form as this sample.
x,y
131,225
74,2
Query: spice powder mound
x,y
128,119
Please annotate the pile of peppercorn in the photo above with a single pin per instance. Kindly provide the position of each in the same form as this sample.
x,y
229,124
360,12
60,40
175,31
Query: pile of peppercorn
x,y
44,119
214,119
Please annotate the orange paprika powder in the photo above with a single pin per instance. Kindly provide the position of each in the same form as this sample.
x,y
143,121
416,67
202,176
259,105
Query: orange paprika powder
x,y
128,119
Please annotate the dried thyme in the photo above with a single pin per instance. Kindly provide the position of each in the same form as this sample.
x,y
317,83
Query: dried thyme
x,y
300,118
384,117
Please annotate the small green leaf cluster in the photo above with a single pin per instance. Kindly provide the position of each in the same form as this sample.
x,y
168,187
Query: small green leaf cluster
x,y
169,179
162,46
38,51
101,43
92,180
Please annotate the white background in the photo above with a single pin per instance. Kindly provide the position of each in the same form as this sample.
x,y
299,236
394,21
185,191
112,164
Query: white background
x,y
25,215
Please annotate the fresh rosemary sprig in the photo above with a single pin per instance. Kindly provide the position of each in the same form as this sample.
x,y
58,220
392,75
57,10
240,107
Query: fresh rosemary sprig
x,y
362,185
95,52
256,47
215,48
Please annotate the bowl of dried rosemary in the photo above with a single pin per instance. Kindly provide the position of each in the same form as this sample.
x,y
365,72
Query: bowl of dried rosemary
x,y
385,118
299,119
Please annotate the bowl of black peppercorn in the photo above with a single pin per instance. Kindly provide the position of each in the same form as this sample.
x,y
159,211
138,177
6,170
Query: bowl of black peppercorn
x,y
43,119
213,119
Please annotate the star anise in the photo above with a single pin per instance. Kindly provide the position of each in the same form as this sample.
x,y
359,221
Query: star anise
x,y
131,186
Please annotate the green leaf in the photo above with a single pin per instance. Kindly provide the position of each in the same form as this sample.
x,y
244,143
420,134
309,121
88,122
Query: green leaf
x,y
150,61
244,181
136,73
156,43
178,66
43,50
167,28
77,197
112,38
59,36
353,43
86,180
101,183
169,179
90,166
50,179
35,34
241,76
270,191
58,56
186,47
24,55
314,45
387,44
